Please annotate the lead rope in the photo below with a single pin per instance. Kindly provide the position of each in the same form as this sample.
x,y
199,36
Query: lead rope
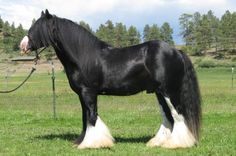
x,y
31,72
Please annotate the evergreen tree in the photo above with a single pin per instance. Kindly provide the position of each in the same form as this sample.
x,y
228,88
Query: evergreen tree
x,y
120,35
133,36
6,29
205,33
20,33
154,33
166,33
186,26
213,26
1,24
86,26
13,29
7,38
233,34
106,32
226,30
146,32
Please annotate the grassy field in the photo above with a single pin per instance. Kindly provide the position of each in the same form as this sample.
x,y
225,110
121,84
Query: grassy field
x,y
27,126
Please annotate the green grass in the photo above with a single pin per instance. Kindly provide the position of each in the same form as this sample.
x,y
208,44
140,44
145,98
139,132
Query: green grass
x,y
27,126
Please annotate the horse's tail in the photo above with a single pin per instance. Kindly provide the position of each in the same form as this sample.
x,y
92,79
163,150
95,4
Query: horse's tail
x,y
190,98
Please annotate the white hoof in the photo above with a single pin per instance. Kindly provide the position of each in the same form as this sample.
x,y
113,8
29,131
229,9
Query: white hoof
x,y
97,136
180,137
162,135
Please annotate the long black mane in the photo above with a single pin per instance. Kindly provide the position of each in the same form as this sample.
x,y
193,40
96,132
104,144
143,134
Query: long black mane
x,y
60,29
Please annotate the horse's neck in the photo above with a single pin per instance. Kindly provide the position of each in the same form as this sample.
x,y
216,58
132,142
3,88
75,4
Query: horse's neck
x,y
73,49
71,54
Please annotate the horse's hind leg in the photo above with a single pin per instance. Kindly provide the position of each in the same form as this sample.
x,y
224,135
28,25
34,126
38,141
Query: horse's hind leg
x,y
180,137
95,133
165,129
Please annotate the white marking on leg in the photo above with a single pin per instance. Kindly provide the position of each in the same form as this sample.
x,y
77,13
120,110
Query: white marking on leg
x,y
163,133
180,137
97,136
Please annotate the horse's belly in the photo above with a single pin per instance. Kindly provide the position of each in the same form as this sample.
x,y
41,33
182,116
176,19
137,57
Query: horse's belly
x,y
120,91
129,88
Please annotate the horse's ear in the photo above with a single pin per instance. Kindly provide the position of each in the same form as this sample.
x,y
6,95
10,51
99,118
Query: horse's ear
x,y
48,15
42,14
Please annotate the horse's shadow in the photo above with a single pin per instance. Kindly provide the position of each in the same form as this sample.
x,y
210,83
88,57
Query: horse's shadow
x,y
73,137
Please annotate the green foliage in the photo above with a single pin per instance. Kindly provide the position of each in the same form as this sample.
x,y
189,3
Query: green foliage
x,y
166,33
146,33
203,32
133,36
117,35
11,37
186,26
1,24
206,63
233,59
212,63
192,50
151,33
120,34
105,32
86,26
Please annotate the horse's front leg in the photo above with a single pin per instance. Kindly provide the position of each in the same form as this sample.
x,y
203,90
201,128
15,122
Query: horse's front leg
x,y
95,133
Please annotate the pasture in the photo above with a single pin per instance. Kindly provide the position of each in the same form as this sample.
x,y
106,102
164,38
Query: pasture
x,y
27,126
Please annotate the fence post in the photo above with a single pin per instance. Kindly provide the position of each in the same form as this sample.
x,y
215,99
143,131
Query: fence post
x,y
53,92
232,82
6,78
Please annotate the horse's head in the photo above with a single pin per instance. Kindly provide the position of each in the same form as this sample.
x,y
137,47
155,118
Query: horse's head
x,y
37,35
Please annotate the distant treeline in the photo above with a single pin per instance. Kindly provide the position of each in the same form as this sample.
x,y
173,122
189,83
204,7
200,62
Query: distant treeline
x,y
10,36
116,34
200,32
206,32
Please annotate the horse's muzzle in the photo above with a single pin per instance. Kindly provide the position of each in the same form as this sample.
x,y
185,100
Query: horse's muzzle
x,y
24,44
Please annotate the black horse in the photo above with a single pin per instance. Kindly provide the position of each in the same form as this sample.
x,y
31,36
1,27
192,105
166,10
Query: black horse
x,y
94,68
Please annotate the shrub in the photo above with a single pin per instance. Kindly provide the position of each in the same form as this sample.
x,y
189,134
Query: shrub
x,y
233,59
206,63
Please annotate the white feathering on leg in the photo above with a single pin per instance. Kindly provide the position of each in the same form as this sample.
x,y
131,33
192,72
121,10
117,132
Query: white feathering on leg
x,y
163,133
180,137
97,136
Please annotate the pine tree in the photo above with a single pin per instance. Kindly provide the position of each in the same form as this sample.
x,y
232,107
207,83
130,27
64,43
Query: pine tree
x,y
86,26
166,33
226,29
146,32
186,26
205,31
20,33
6,29
106,32
120,35
213,26
154,33
1,24
133,36
233,34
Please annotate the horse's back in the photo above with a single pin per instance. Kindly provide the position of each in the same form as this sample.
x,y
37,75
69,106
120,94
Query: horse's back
x,y
132,69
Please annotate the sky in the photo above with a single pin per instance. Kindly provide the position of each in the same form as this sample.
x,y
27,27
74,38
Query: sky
x,y
130,12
